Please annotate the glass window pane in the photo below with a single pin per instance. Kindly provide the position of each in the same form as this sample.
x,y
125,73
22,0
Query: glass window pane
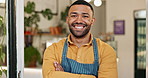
x,y
3,44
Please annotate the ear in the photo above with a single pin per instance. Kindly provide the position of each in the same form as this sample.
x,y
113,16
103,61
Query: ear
x,y
93,21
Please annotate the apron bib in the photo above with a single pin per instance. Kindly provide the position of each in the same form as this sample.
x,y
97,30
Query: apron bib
x,y
72,66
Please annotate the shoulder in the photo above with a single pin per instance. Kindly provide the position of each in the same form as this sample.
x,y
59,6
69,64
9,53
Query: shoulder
x,y
102,44
104,48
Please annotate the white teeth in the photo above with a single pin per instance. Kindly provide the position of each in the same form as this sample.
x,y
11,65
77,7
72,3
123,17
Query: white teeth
x,y
79,27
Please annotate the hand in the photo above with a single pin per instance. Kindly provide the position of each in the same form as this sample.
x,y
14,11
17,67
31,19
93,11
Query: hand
x,y
58,67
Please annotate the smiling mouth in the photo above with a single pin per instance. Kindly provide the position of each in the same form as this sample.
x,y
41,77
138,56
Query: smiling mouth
x,y
79,27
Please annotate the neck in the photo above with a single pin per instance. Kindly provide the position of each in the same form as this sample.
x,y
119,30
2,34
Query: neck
x,y
80,41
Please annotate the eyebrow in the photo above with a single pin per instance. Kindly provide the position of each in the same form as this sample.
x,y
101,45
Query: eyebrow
x,y
85,13
77,13
73,13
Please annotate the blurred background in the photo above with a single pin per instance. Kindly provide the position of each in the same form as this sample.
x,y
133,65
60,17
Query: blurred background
x,y
120,23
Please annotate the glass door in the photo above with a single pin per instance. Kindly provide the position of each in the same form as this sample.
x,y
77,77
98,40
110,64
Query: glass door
x,y
140,44
11,38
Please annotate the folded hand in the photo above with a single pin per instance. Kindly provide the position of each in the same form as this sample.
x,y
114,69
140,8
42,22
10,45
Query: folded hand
x,y
58,67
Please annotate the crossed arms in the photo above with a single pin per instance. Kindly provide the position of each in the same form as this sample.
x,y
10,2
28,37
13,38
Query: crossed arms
x,y
52,69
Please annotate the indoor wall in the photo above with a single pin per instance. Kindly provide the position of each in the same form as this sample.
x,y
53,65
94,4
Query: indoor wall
x,y
124,10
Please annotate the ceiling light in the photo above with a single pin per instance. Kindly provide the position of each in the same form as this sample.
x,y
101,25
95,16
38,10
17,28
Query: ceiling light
x,y
2,1
87,0
97,2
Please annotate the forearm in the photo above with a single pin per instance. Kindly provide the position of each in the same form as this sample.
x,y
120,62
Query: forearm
x,y
108,64
49,71
60,74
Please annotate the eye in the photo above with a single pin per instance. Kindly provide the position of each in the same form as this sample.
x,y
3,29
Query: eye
x,y
85,16
73,16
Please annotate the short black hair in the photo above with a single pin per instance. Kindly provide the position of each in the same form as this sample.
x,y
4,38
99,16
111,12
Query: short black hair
x,y
82,2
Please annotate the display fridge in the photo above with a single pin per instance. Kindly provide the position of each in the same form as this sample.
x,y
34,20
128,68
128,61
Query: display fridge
x,y
140,43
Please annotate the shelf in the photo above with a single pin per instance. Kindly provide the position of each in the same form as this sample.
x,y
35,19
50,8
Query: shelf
x,y
39,34
141,35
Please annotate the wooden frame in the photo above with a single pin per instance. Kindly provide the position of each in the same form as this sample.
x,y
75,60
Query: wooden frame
x,y
119,27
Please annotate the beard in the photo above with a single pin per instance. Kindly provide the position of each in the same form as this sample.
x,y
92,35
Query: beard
x,y
75,32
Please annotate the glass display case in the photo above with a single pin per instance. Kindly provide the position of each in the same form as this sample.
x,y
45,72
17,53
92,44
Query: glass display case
x,y
140,44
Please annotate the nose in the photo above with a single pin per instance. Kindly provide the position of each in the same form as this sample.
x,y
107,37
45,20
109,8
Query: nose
x,y
79,19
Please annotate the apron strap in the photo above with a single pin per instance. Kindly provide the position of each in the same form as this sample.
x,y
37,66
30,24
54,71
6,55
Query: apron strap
x,y
65,49
95,47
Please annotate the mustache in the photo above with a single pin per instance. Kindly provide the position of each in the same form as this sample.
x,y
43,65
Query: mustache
x,y
73,24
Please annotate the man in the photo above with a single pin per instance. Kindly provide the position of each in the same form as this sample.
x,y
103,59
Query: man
x,y
80,55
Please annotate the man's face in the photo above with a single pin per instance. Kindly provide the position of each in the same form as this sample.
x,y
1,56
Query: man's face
x,y
80,19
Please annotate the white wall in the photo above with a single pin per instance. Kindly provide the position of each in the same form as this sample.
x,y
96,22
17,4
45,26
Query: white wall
x,y
100,16
2,9
124,9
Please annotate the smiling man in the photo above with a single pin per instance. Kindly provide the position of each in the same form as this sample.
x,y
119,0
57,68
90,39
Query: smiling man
x,y
80,55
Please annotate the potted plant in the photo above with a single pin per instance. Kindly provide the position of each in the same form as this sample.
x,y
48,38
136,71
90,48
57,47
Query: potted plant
x,y
32,56
31,19
3,72
63,20
64,14
32,16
